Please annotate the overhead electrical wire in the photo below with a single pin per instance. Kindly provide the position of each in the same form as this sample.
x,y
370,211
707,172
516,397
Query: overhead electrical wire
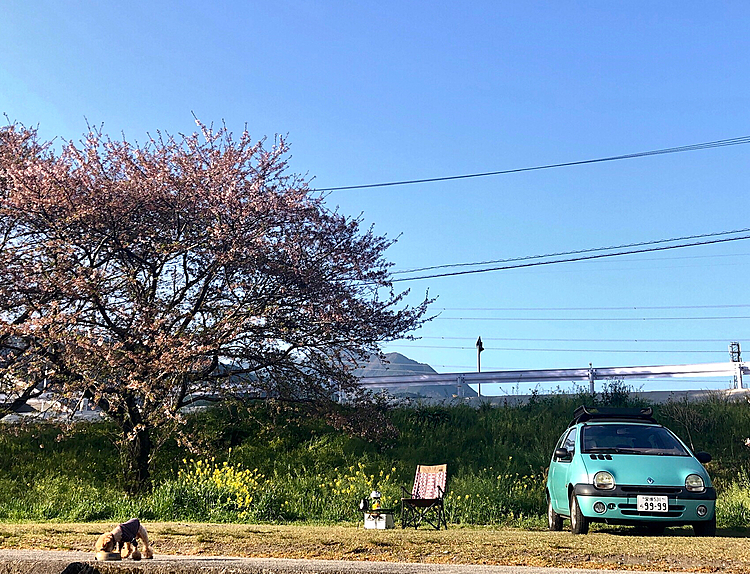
x,y
632,308
632,351
595,252
682,257
440,318
577,340
693,147
570,259
574,252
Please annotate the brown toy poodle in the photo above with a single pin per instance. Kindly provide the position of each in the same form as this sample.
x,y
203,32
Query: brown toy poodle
x,y
125,536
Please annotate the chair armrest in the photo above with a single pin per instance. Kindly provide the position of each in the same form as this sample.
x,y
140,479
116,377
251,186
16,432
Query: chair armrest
x,y
405,492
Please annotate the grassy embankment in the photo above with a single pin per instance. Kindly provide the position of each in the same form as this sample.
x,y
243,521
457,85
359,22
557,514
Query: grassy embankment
x,y
249,466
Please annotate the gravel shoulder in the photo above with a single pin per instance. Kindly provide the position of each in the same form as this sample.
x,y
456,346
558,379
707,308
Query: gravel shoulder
x,y
56,562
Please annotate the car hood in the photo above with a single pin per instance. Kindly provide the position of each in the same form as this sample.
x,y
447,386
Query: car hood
x,y
634,469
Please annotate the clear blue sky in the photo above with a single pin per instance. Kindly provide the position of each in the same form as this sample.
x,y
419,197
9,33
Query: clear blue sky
x,y
372,92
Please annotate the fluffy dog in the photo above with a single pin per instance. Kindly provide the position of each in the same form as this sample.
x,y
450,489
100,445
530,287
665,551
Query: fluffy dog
x,y
125,536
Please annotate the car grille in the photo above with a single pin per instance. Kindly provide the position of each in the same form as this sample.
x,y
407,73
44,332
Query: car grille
x,y
673,490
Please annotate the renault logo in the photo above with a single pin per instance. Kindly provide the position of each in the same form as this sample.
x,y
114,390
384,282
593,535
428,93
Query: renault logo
x,y
650,480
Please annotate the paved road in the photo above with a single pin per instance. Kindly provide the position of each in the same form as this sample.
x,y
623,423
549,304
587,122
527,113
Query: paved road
x,y
51,562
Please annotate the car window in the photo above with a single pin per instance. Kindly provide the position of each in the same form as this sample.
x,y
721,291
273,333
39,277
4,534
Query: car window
x,y
569,443
631,439
561,439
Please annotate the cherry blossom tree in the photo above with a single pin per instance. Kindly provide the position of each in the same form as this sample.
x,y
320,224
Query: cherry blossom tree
x,y
21,371
147,276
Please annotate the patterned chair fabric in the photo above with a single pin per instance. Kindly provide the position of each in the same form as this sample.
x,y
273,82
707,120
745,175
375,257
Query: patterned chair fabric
x,y
426,501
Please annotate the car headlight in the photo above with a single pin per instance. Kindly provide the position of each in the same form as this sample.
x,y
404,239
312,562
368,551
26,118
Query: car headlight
x,y
694,483
604,480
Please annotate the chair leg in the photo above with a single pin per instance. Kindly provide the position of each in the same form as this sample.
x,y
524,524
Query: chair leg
x,y
430,515
433,515
408,515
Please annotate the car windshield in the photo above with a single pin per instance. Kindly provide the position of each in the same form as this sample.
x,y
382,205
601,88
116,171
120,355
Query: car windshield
x,y
623,438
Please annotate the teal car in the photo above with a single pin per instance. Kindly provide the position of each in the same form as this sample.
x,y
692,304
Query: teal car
x,y
620,466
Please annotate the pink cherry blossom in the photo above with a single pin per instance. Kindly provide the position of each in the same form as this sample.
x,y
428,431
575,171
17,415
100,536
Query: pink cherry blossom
x,y
147,276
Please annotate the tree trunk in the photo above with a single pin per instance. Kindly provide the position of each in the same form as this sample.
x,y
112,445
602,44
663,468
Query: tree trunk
x,y
137,451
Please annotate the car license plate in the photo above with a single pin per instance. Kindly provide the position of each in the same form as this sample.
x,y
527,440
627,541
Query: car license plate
x,y
653,503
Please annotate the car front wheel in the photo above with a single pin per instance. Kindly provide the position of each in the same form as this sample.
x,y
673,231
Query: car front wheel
x,y
707,528
579,524
654,529
554,520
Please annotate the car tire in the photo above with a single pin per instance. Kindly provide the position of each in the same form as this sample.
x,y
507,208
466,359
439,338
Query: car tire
x,y
554,520
579,524
706,528
654,529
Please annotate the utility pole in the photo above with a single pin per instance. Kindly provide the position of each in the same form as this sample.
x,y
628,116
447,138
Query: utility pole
x,y
480,348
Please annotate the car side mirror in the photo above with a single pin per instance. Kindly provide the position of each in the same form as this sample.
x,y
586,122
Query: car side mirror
x,y
561,453
703,457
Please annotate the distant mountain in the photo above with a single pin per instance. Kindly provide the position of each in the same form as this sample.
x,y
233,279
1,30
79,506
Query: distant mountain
x,y
396,364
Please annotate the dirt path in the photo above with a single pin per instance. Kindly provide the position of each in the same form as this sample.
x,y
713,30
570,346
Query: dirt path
x,y
608,549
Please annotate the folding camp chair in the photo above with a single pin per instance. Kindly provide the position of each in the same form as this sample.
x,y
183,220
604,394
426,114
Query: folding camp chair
x,y
426,501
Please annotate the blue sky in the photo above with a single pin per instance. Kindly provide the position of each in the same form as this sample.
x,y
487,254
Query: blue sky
x,y
387,91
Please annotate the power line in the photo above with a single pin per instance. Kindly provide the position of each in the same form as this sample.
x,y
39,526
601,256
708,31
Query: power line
x,y
715,318
676,257
576,340
571,259
574,252
633,308
692,147
548,350
637,264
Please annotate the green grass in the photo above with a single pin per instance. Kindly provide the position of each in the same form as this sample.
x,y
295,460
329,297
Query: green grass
x,y
255,464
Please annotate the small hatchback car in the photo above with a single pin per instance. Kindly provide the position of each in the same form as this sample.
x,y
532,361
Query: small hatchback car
x,y
620,466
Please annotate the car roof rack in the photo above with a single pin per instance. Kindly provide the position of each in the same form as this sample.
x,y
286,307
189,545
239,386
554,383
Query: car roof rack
x,y
584,413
